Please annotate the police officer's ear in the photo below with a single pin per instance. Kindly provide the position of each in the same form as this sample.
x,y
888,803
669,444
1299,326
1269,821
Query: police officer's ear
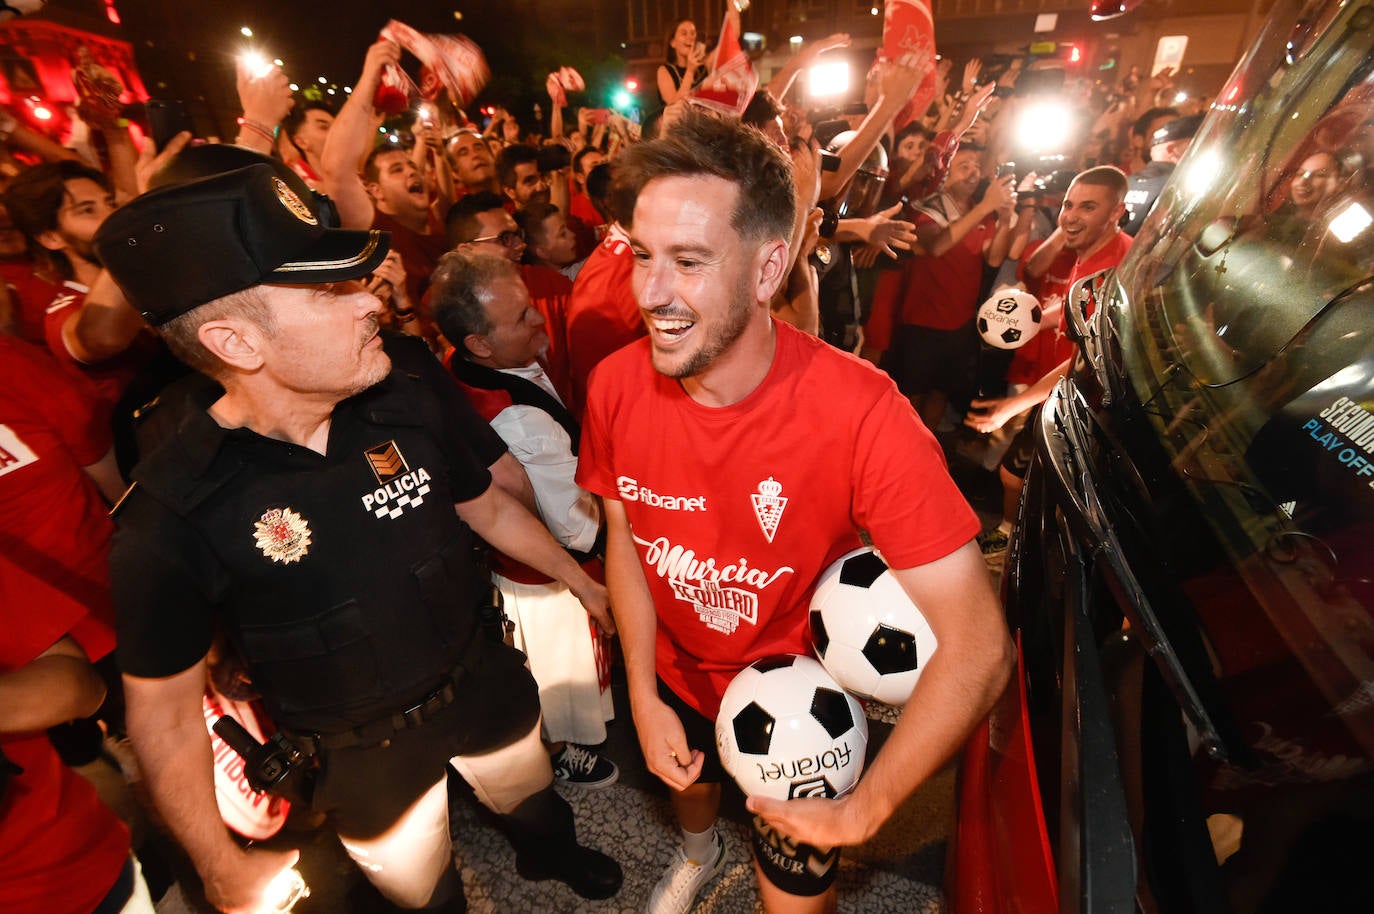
x,y
771,263
235,342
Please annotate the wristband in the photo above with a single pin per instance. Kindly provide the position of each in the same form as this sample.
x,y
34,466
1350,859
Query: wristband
x,y
267,133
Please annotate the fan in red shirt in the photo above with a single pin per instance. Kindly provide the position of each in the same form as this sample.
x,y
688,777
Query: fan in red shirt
x,y
392,194
1088,222
94,335
480,224
61,849
602,314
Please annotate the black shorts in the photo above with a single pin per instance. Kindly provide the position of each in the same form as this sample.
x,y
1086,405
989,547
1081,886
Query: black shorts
x,y
796,868
922,359
1017,459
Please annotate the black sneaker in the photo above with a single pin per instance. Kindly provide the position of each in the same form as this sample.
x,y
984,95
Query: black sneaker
x,y
579,766
587,872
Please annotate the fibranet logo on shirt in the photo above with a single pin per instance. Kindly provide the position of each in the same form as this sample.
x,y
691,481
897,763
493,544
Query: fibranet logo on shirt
x,y
708,585
630,490
399,487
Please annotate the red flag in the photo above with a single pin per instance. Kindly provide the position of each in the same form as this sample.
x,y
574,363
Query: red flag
x,y
448,62
732,80
909,40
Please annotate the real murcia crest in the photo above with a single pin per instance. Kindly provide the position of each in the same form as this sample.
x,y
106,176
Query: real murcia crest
x,y
282,535
768,506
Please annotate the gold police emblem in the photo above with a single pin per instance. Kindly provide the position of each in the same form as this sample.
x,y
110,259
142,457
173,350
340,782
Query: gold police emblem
x,y
282,535
288,199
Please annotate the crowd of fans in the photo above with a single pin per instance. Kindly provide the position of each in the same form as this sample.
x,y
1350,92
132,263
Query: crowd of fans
x,y
510,260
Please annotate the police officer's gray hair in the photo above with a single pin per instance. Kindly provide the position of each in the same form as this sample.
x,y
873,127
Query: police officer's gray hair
x,y
459,291
182,333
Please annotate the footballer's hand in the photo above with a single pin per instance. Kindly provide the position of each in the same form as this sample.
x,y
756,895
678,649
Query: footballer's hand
x,y
817,821
664,744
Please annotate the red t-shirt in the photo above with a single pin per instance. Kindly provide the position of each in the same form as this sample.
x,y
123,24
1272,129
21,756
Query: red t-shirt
x,y
60,848
1052,345
107,379
602,313
940,293
585,222
737,510
419,253
581,206
52,519
549,292
30,295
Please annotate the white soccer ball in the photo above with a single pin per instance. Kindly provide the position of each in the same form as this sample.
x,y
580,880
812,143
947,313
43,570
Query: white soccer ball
x,y
10,9
786,729
866,631
1010,319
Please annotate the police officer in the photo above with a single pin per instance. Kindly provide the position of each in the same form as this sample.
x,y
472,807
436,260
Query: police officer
x,y
314,505
1167,146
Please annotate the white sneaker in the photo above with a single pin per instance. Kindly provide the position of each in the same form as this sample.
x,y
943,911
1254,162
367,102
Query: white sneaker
x,y
676,892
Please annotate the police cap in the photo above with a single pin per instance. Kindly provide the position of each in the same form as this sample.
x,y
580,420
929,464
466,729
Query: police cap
x,y
180,246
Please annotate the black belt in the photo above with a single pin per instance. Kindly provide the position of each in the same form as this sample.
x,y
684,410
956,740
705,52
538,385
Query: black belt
x,y
381,730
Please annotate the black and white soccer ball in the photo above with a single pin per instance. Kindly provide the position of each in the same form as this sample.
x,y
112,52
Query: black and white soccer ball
x,y
786,729
1010,319
866,631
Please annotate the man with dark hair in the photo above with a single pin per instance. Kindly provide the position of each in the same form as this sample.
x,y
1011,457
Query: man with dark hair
x,y
59,206
1142,128
473,165
481,217
550,241
1087,229
580,205
485,311
315,506
480,224
517,168
723,402
923,314
599,192
306,128
391,195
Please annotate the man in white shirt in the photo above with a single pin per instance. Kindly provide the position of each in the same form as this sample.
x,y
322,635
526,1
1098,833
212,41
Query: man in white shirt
x,y
484,309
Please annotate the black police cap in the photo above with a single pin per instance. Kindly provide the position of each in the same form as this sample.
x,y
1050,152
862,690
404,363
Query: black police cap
x,y
178,247
1180,128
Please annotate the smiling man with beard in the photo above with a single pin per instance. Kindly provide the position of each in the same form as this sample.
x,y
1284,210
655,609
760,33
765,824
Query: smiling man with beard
x,y
316,507
688,436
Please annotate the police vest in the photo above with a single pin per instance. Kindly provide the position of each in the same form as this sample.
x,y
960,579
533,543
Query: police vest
x,y
346,580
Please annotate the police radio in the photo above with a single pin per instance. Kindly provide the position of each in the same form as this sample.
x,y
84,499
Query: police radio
x,y
276,766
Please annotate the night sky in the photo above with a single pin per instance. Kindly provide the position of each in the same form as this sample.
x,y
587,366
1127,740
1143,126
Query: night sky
x,y
330,37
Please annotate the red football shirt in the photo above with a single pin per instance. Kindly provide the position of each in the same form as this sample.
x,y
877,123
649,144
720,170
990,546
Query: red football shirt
x,y
52,520
602,313
736,511
108,379
1052,345
936,292
60,848
420,253
550,291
